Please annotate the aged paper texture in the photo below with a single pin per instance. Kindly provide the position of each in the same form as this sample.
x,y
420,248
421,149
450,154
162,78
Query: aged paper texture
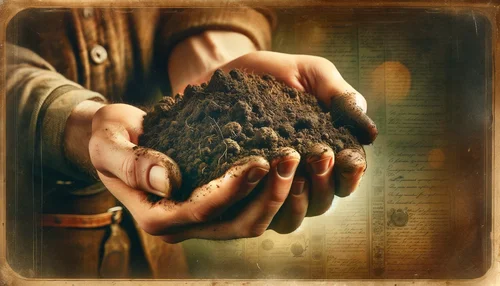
x,y
404,221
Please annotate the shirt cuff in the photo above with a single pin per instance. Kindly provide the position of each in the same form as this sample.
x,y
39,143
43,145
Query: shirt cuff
x,y
53,116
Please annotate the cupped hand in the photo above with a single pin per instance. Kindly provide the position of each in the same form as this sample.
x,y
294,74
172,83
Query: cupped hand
x,y
327,174
131,172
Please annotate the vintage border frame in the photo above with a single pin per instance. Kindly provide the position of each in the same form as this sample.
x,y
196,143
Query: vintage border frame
x,y
490,9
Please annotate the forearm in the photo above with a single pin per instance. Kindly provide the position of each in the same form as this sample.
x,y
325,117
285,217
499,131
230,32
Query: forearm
x,y
193,60
41,101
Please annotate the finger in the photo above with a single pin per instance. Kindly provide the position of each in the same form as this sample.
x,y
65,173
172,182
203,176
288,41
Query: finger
x,y
166,215
350,165
293,211
260,212
320,162
346,112
348,107
139,168
212,199
255,218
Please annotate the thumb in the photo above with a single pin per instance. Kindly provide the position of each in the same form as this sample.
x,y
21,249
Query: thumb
x,y
139,168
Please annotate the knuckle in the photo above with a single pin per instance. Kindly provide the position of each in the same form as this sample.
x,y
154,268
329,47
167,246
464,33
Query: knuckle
x,y
313,212
150,226
101,114
257,230
298,209
326,61
247,229
224,198
286,229
320,209
129,167
236,229
201,214
277,198
324,209
321,61
343,194
333,68
171,239
321,205
325,205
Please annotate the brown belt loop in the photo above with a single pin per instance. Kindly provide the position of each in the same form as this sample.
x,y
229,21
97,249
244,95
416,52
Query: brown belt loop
x,y
113,215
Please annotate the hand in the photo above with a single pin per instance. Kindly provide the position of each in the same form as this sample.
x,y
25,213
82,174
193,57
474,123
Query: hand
x,y
327,174
105,138
130,173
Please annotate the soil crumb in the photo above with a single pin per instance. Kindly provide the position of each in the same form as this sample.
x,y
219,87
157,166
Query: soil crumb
x,y
233,116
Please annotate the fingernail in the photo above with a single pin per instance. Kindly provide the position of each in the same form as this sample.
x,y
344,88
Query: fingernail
x,y
297,187
320,167
347,174
158,180
159,193
256,174
287,168
350,173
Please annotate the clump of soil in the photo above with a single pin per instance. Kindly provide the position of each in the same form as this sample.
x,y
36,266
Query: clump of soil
x,y
233,116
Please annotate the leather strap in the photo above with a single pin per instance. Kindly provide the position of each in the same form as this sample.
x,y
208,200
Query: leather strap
x,y
82,221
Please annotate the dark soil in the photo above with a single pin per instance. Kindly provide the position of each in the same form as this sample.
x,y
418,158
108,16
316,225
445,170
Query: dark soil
x,y
234,116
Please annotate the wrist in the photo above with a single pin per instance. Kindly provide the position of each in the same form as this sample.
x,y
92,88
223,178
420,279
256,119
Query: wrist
x,y
193,60
78,131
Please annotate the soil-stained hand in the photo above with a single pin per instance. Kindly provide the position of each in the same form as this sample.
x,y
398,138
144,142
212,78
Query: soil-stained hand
x,y
131,172
327,174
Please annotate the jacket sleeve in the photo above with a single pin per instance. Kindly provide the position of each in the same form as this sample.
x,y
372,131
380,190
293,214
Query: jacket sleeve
x,y
175,25
39,102
180,24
